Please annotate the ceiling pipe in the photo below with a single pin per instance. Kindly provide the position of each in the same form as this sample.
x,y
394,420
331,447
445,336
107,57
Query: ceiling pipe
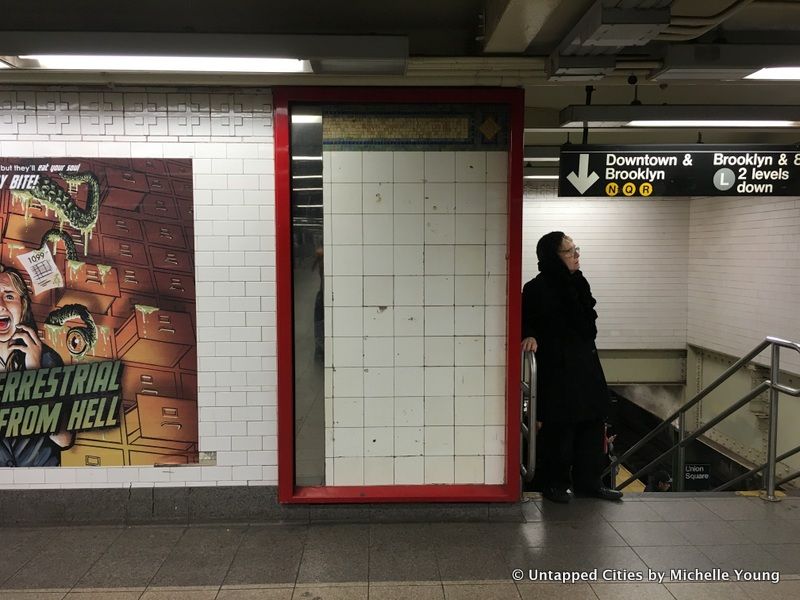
x,y
711,19
511,25
683,29
689,28
680,28
637,65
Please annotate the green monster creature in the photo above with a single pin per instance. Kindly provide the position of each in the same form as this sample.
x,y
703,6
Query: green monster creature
x,y
56,235
79,339
54,197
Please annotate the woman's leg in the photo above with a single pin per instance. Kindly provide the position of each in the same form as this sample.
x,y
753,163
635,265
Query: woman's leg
x,y
587,462
558,440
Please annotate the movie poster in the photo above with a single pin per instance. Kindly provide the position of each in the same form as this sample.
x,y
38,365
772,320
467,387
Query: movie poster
x,y
98,363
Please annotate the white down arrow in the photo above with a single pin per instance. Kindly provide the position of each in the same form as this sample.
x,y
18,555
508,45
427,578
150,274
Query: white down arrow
x,y
583,180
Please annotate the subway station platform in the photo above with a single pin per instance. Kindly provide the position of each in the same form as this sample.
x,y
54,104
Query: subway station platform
x,y
615,547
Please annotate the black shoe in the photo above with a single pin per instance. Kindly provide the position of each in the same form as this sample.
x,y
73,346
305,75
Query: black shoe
x,y
607,493
557,495
601,492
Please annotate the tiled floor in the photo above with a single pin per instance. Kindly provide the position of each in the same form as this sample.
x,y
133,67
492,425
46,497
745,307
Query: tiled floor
x,y
616,551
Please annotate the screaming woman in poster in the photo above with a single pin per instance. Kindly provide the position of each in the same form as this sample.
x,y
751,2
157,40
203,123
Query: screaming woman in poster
x,y
20,350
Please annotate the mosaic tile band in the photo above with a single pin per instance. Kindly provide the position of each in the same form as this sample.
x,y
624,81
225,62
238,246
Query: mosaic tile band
x,y
415,127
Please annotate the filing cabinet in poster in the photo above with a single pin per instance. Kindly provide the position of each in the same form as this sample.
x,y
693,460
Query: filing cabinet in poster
x,y
97,266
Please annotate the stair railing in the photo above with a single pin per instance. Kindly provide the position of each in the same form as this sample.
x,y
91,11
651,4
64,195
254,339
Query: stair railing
x,y
528,421
772,384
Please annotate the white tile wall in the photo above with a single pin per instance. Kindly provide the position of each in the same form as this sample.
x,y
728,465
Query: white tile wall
x,y
409,198
229,137
719,273
378,198
439,469
379,470
409,411
409,441
425,233
379,412
634,254
409,470
744,274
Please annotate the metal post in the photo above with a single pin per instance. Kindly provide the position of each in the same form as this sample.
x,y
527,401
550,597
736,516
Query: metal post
x,y
614,473
681,454
772,440
528,424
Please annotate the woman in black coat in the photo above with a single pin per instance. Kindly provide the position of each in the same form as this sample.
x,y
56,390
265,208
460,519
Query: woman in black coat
x,y
558,324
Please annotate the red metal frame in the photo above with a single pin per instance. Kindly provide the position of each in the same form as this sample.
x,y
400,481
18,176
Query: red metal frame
x,y
288,492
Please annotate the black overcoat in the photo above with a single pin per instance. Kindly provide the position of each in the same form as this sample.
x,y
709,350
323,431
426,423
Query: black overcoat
x,y
557,310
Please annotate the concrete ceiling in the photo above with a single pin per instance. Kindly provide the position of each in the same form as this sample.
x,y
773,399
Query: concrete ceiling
x,y
475,42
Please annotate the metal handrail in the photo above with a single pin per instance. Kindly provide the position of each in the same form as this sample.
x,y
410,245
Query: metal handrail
x,y
754,470
788,478
772,384
528,387
683,440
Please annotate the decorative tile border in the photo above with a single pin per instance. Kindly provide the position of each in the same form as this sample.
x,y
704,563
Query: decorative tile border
x,y
401,127
137,112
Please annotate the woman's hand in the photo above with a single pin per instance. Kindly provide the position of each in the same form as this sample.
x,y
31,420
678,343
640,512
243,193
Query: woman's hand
x,y
63,439
529,344
31,346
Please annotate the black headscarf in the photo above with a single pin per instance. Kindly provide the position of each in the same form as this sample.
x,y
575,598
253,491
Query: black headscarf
x,y
547,252
573,287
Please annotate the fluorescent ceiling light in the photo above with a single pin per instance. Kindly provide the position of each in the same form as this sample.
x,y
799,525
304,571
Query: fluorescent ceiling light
x,y
209,64
709,123
726,61
680,115
540,154
306,158
540,171
306,176
777,73
306,119
194,52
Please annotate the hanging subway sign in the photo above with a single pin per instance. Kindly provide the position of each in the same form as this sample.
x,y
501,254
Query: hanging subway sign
x,y
697,170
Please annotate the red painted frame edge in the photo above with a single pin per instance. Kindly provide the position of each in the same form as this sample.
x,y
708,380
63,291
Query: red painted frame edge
x,y
514,295
283,302
287,491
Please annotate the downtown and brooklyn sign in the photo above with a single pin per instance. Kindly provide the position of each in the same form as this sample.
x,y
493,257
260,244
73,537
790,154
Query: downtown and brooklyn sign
x,y
697,170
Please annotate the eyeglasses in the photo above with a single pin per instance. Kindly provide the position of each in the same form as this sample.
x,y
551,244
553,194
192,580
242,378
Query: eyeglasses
x,y
572,251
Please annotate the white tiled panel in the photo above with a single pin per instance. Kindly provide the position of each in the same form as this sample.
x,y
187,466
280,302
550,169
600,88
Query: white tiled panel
x,y
634,254
720,273
744,274
229,137
425,260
